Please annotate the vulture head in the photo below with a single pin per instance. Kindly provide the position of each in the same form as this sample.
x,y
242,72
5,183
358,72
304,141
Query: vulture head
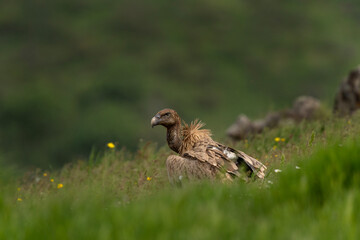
x,y
166,117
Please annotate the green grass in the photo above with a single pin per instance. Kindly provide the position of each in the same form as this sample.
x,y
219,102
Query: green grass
x,y
109,197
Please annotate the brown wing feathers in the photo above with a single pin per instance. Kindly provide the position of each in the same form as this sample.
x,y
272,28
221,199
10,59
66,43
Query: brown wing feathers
x,y
198,145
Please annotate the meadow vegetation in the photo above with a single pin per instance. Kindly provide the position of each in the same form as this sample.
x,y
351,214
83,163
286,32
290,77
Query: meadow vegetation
x,y
310,192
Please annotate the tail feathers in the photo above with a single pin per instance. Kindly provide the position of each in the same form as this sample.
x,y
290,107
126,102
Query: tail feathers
x,y
257,167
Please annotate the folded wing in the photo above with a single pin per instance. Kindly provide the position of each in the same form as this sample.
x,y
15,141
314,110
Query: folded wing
x,y
225,158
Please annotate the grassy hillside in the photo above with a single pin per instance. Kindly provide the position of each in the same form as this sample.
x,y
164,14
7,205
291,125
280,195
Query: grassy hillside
x,y
77,74
118,195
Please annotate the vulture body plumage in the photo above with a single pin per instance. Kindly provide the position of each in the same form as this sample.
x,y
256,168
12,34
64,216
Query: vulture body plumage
x,y
199,155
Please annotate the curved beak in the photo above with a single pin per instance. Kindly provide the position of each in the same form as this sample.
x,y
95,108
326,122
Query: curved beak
x,y
155,120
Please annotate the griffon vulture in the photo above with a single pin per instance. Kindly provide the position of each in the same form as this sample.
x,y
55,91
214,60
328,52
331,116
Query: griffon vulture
x,y
199,155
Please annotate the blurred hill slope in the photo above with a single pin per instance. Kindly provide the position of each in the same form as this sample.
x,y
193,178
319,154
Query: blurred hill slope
x,y
79,73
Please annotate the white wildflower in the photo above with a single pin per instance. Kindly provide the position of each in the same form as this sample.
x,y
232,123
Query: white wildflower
x,y
277,170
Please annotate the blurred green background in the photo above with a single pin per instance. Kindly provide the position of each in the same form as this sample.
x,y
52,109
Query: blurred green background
x,y
77,74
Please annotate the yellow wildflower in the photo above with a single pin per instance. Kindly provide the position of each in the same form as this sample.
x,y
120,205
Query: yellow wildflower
x,y
111,145
277,139
45,174
148,178
60,185
18,189
283,139
52,180
276,155
274,147
19,199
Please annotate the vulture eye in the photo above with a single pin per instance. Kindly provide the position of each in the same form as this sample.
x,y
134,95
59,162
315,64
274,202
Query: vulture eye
x,y
167,114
